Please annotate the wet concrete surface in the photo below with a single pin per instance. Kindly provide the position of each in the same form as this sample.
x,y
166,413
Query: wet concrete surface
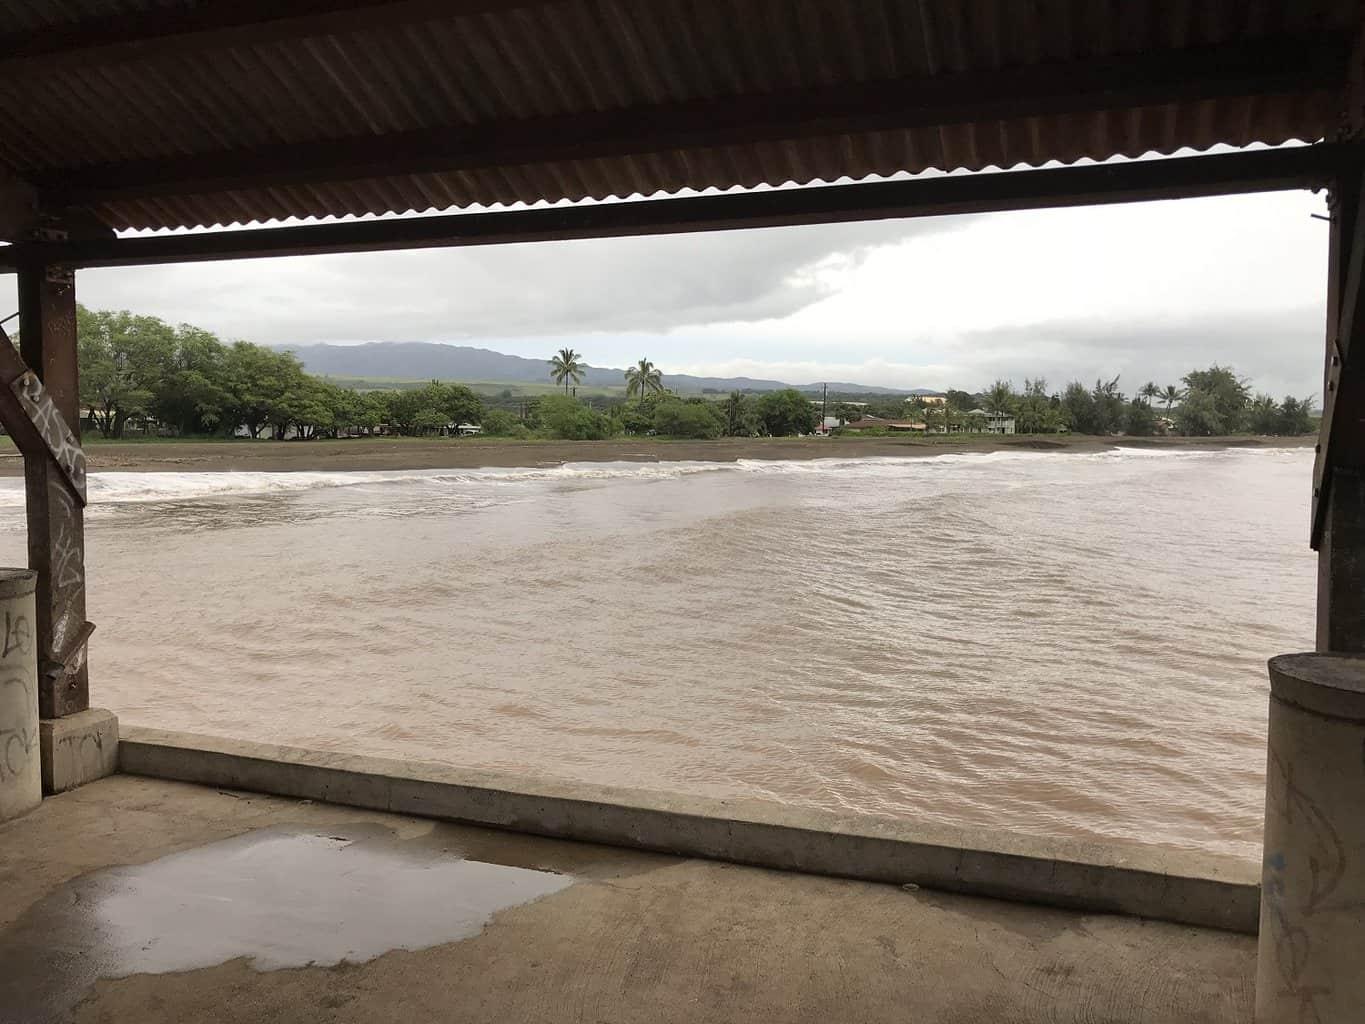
x,y
279,897
637,938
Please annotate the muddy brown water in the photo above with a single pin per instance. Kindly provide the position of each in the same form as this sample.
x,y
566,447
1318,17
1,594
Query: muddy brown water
x,y
1066,644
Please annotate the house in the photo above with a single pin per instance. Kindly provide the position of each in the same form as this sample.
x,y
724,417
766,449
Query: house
x,y
992,422
926,398
877,423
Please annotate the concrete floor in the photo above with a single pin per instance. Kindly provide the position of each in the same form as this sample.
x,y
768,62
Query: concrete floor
x,y
140,900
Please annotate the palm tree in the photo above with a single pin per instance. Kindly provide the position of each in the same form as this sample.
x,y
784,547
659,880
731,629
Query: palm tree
x,y
643,379
567,366
734,413
1171,395
1149,391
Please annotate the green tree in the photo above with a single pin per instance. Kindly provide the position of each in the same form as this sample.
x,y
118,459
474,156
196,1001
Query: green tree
x,y
1078,408
457,403
1170,396
1149,391
354,411
191,397
1139,420
676,418
123,360
1199,415
254,378
564,418
1000,398
306,404
501,423
960,400
1108,407
406,411
637,420
845,411
567,367
643,379
741,419
1296,416
1263,415
433,407
1227,392
787,412
1036,412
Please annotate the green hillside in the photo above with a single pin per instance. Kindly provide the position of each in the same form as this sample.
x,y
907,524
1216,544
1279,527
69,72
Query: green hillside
x,y
492,388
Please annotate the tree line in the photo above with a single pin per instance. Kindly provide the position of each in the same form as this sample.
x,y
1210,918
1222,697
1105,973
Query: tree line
x,y
1207,403
650,408
135,369
138,369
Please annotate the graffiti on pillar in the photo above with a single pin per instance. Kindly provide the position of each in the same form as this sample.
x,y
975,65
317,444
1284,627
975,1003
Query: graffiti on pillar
x,y
1324,855
68,545
18,741
18,634
53,428
18,698
82,756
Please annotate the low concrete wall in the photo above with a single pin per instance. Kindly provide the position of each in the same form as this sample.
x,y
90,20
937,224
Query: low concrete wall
x,y
1196,889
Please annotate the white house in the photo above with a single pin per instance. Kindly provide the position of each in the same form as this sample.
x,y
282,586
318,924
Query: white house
x,y
993,422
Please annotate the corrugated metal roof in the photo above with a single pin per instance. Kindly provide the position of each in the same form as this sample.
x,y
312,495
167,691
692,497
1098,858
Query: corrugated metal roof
x,y
581,56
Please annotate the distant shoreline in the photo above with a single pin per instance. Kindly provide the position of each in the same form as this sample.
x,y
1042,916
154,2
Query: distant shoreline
x,y
380,453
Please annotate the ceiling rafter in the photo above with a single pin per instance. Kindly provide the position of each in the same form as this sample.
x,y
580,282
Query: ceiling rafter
x,y
1290,65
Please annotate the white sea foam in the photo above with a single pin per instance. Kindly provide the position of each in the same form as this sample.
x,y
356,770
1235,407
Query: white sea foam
x,y
120,488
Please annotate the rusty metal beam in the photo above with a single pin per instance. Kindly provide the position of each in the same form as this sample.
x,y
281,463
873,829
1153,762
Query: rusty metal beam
x,y
127,36
1338,523
1342,432
1134,181
1289,66
56,522
31,417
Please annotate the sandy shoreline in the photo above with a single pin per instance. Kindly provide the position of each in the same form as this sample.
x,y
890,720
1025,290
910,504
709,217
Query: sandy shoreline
x,y
444,453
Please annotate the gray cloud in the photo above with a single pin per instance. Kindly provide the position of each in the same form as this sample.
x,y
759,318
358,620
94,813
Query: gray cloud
x,y
1280,352
632,284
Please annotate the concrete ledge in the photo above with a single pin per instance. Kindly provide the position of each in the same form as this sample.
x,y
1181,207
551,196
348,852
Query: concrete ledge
x,y
1195,889
77,749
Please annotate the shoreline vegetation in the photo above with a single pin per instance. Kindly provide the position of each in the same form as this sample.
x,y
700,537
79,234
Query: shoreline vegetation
x,y
156,397
170,455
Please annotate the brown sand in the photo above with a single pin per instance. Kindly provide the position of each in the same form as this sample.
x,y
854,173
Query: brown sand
x,y
381,453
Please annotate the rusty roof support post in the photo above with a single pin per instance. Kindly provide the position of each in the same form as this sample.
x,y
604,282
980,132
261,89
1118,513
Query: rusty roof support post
x,y
56,520
1339,484
1339,472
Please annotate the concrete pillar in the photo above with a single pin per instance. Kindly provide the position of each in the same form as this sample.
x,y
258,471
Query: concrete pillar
x,y
20,776
1311,964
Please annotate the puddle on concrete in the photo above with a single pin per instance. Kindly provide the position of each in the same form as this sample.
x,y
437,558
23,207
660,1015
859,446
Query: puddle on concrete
x,y
282,897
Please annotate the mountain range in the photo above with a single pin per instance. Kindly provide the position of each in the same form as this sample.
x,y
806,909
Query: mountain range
x,y
424,360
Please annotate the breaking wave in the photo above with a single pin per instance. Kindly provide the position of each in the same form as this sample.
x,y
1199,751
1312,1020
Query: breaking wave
x,y
118,488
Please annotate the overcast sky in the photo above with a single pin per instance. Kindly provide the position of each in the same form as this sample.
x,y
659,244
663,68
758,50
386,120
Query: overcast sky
x,y
1148,291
